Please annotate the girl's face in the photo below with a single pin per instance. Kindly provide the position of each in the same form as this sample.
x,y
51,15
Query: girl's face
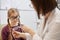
x,y
14,19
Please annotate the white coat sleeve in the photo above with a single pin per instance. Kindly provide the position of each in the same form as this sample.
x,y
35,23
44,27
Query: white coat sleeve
x,y
28,36
53,33
36,37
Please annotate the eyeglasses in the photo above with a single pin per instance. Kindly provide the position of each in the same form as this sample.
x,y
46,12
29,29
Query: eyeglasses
x,y
16,17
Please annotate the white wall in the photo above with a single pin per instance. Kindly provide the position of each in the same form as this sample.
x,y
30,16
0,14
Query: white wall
x,y
27,13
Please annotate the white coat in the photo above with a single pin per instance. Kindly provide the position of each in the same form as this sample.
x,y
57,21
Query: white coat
x,y
52,27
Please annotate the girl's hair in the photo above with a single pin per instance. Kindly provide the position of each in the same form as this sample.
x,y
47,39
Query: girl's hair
x,y
11,10
45,5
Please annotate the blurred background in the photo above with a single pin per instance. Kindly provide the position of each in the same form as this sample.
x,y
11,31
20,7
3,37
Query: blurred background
x,y
28,15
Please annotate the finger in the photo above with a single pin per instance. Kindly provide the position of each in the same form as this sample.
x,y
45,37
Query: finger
x,y
16,35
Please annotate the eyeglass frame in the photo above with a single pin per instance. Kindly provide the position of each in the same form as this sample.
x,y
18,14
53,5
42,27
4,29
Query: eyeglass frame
x,y
12,18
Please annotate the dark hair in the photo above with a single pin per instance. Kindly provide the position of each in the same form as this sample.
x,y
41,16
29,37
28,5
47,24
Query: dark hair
x,y
45,5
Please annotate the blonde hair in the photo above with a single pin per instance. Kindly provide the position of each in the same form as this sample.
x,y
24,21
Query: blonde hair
x,y
10,11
